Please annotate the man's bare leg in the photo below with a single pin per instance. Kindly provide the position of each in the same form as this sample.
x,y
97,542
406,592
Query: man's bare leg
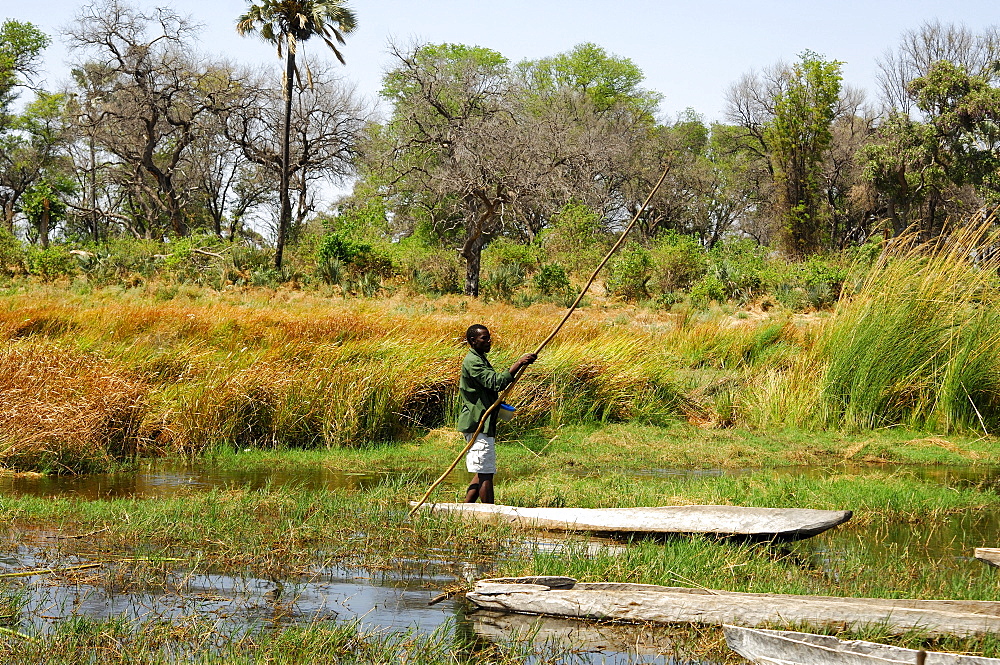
x,y
485,487
472,494
480,488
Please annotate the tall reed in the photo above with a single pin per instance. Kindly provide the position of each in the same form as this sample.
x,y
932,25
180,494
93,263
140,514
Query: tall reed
x,y
918,344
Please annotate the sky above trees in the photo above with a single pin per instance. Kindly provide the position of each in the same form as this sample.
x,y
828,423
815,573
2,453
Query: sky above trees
x,y
689,51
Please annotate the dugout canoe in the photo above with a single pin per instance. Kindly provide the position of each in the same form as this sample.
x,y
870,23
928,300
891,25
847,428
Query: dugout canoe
x,y
783,524
990,555
781,647
565,597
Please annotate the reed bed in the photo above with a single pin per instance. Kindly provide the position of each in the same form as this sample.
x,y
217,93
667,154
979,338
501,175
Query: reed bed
x,y
62,410
914,344
918,343
309,372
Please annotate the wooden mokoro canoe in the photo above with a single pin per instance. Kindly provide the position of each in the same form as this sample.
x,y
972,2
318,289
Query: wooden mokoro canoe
x,y
731,521
564,596
990,555
780,647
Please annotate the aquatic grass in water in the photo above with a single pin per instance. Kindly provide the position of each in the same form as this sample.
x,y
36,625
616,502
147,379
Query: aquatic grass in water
x,y
116,642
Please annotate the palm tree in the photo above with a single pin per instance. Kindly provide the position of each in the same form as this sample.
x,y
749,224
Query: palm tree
x,y
285,23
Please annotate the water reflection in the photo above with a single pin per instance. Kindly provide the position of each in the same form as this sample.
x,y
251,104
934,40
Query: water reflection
x,y
170,480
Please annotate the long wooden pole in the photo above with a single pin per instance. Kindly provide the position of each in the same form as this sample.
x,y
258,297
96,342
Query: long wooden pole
x,y
555,331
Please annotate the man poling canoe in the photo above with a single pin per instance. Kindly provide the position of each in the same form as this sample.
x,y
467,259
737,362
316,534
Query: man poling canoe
x,y
516,369
478,389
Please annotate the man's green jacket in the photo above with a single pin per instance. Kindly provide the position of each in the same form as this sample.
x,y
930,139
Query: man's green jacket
x,y
478,388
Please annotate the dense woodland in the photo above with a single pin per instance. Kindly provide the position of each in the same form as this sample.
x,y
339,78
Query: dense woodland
x,y
479,173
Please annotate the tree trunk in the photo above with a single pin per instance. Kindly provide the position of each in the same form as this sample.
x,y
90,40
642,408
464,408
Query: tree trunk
x,y
43,225
92,194
8,213
285,217
472,249
473,258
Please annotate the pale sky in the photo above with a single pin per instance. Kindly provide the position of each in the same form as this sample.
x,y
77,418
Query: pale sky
x,y
690,51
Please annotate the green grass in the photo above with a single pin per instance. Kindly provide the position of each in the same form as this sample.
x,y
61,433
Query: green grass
x,y
115,642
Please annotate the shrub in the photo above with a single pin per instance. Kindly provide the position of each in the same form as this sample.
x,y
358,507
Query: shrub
x,y
503,282
246,264
820,272
629,273
576,239
430,271
738,265
12,255
340,258
679,260
707,289
122,261
551,279
51,263
503,250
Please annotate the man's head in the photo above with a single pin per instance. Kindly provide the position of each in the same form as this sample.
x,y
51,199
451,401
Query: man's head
x,y
478,337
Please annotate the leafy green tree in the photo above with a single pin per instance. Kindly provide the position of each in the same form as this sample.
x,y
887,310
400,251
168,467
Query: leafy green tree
x,y
798,135
21,45
286,23
785,116
610,81
922,165
33,150
45,206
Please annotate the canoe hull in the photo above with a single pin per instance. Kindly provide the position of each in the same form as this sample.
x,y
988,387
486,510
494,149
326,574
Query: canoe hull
x,y
779,647
783,524
990,555
659,604
578,636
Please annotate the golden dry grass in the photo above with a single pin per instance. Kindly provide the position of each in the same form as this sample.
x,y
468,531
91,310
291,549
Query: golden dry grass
x,y
65,410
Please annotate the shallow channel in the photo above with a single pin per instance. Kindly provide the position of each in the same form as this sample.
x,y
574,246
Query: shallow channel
x,y
398,600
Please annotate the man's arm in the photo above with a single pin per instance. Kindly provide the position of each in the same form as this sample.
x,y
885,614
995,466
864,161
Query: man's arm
x,y
523,361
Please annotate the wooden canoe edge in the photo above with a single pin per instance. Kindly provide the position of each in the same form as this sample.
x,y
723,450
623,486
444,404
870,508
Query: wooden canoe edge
x,y
772,646
990,555
508,515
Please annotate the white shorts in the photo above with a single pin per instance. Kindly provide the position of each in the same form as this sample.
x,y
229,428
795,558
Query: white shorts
x,y
482,456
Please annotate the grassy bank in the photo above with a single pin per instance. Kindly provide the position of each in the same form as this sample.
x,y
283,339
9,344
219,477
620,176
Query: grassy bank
x,y
94,377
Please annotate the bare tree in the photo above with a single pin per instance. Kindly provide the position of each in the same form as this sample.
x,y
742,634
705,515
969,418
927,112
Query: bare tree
x,y
153,102
934,41
474,150
328,118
